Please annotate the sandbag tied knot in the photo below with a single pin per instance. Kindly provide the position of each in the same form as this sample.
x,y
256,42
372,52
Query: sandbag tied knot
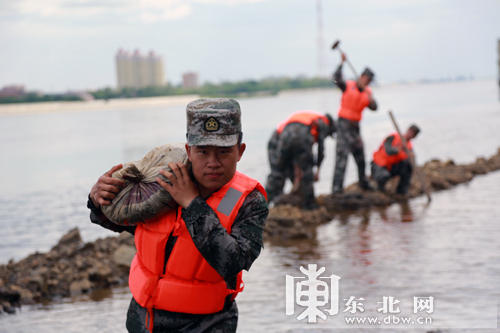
x,y
132,174
143,198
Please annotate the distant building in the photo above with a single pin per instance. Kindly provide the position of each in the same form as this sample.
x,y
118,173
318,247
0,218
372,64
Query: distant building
x,y
134,70
190,80
12,91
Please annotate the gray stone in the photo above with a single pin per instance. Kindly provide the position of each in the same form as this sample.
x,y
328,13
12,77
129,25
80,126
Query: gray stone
x,y
123,255
79,287
70,238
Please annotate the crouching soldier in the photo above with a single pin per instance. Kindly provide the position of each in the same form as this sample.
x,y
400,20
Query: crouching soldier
x,y
391,160
290,152
188,267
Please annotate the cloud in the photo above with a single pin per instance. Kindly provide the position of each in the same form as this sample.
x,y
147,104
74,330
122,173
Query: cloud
x,y
161,10
228,2
392,4
147,11
151,14
62,8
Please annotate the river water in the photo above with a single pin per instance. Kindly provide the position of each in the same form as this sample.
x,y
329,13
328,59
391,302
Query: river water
x,y
449,250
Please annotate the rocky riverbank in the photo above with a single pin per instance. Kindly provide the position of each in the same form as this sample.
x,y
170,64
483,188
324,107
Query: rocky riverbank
x,y
286,221
72,267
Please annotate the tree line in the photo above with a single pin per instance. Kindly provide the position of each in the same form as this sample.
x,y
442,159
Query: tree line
x,y
267,86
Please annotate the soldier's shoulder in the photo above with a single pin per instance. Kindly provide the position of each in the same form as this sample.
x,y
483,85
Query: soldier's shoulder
x,y
294,128
255,198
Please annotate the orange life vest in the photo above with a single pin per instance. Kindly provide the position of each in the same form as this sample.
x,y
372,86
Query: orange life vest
x,y
308,118
354,101
381,158
187,283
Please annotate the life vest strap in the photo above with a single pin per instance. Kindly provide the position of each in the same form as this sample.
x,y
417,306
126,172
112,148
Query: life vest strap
x,y
149,319
240,285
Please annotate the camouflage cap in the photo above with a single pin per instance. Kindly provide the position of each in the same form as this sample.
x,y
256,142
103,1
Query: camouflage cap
x,y
368,72
213,122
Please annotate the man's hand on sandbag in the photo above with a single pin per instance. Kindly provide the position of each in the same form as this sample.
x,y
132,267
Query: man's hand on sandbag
x,y
106,188
181,187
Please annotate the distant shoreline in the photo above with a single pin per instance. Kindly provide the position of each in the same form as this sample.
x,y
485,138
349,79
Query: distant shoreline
x,y
268,86
121,103
168,100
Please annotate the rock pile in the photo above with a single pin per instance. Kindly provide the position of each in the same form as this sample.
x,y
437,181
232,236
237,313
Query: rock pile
x,y
69,269
286,221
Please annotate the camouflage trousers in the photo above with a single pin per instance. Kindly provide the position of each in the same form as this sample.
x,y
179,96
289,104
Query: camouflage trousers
x,y
348,141
402,169
224,321
292,148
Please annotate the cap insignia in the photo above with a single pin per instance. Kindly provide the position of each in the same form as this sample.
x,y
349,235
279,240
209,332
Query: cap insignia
x,y
211,124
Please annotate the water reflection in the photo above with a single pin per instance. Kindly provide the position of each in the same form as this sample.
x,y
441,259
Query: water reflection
x,y
406,212
100,294
300,249
350,231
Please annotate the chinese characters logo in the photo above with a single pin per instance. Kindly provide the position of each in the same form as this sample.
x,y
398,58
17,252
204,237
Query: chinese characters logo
x,y
314,292
316,295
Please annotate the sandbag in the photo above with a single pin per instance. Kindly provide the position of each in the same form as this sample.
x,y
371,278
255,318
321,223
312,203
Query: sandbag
x,y
143,198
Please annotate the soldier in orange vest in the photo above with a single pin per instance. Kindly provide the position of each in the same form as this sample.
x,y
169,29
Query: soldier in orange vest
x,y
356,95
291,155
390,160
188,267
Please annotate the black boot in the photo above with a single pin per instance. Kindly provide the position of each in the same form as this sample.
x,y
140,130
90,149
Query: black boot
x,y
381,186
365,185
337,190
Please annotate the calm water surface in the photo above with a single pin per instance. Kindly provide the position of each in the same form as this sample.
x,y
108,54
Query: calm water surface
x,y
449,250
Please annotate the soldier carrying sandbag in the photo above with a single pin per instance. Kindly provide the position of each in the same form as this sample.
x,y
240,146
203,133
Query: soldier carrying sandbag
x,y
188,267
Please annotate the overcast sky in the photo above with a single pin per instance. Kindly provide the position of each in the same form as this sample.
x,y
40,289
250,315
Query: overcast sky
x,y
55,45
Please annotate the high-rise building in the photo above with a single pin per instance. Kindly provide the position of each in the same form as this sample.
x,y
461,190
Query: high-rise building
x,y
15,90
123,69
134,70
190,80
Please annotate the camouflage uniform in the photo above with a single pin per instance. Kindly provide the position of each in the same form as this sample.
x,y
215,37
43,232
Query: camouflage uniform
x,y
402,169
349,141
294,147
227,253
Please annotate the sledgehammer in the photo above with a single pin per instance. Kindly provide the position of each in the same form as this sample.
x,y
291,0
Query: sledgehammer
x,y
336,46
